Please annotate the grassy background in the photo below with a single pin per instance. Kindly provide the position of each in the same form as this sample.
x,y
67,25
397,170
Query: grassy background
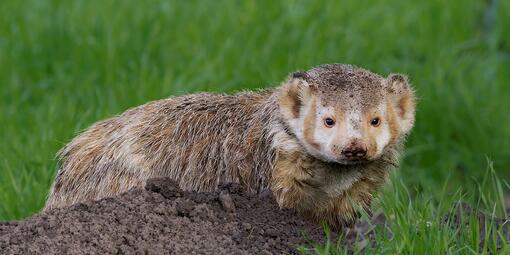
x,y
66,64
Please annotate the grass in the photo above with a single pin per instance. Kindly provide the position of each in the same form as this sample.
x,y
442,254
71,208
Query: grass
x,y
420,225
66,64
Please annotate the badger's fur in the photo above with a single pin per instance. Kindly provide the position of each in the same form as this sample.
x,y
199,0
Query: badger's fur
x,y
277,138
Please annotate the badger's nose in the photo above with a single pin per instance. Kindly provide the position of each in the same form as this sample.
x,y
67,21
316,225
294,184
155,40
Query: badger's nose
x,y
355,152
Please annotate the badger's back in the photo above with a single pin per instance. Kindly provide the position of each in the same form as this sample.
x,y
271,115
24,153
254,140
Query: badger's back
x,y
199,140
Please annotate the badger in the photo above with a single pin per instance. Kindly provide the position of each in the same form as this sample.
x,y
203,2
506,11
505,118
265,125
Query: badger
x,y
323,142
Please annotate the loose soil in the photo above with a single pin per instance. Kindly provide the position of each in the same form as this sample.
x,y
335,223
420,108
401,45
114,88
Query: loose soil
x,y
162,219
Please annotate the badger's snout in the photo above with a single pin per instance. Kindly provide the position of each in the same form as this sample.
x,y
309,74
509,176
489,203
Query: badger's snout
x,y
355,151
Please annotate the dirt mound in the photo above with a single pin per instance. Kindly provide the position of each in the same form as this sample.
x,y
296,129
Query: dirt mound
x,y
162,219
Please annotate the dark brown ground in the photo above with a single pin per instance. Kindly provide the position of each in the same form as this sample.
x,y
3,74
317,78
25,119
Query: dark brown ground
x,y
161,219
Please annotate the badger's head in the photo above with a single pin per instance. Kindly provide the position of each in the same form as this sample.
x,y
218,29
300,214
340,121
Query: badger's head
x,y
345,114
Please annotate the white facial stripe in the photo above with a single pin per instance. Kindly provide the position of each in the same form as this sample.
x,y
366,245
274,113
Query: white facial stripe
x,y
353,124
323,135
383,138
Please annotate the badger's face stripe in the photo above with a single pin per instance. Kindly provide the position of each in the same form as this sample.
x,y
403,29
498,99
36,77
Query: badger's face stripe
x,y
353,124
381,134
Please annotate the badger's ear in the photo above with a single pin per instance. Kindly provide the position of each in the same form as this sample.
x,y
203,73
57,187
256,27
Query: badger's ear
x,y
402,95
295,93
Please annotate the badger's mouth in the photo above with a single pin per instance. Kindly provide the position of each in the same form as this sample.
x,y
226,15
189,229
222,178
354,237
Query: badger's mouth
x,y
352,161
363,160
381,160
344,161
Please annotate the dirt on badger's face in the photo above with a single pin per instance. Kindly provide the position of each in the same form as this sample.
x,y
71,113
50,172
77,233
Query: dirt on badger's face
x,y
348,115
323,142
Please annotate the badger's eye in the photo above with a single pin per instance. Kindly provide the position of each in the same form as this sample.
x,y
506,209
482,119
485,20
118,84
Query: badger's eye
x,y
375,122
329,122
